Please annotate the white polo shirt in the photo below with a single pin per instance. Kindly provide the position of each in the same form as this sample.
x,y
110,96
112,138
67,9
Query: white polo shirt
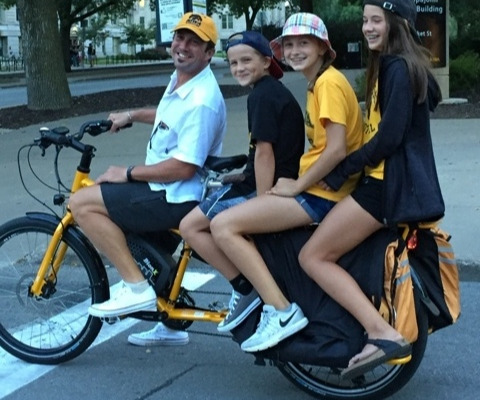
x,y
189,125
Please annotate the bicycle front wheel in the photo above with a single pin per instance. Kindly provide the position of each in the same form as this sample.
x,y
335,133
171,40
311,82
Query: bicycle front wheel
x,y
56,326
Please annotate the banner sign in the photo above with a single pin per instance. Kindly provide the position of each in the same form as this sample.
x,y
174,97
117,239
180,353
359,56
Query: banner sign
x,y
169,13
432,28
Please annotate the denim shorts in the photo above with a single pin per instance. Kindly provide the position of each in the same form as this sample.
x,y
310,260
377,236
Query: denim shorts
x,y
315,206
215,202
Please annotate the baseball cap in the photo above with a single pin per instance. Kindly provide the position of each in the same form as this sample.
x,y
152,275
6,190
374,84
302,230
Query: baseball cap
x,y
302,24
406,9
202,25
258,42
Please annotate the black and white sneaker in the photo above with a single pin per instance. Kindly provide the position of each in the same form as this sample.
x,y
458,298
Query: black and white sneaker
x,y
240,308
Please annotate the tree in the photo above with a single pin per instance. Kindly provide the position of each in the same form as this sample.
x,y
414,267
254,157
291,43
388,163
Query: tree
x,y
94,29
75,11
138,34
47,86
301,5
247,8
465,15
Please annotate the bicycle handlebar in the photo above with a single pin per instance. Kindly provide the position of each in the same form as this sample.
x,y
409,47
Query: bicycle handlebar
x,y
60,136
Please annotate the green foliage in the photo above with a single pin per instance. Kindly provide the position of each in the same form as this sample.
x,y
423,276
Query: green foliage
x,y
247,8
344,24
361,86
95,26
465,72
138,34
155,53
8,3
270,31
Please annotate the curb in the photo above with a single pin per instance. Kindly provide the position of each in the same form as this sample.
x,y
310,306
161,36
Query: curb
x,y
469,270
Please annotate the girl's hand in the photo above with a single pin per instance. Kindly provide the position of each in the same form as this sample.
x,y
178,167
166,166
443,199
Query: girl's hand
x,y
324,186
284,187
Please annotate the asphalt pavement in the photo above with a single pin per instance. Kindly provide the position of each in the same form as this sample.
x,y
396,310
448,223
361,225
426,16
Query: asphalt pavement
x,y
212,367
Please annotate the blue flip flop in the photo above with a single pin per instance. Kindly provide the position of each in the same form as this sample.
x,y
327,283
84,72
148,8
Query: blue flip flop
x,y
387,350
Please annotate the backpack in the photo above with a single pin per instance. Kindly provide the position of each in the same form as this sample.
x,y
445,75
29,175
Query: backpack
x,y
433,260
398,303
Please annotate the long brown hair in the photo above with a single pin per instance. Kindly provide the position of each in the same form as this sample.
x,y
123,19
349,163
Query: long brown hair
x,y
327,61
400,42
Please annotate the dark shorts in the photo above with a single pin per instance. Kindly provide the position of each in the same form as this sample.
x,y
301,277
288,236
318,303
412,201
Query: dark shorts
x,y
316,207
368,194
219,200
136,208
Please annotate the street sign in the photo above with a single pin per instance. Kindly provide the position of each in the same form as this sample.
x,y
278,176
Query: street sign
x,y
169,13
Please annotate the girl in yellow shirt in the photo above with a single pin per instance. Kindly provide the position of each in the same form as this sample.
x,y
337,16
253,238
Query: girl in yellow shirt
x,y
334,129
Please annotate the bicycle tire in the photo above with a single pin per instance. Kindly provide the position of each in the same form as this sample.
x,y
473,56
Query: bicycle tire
x,y
326,383
56,328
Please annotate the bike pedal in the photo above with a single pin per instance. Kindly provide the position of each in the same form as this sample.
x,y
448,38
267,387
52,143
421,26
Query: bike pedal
x,y
110,320
216,306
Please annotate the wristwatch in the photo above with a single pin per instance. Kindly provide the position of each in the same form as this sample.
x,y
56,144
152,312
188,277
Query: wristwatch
x,y
129,173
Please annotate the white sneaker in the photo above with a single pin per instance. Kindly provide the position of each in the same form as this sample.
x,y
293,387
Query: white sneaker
x,y
124,301
274,326
160,335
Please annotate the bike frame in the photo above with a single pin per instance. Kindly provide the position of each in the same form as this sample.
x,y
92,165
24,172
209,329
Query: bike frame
x,y
56,250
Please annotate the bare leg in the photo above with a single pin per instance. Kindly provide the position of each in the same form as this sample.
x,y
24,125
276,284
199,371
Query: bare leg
x,y
351,224
262,214
91,215
195,229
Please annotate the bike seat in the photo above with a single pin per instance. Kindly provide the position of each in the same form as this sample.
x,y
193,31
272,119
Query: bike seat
x,y
225,164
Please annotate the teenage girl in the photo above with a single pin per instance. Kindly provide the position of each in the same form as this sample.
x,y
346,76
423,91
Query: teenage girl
x,y
400,182
333,125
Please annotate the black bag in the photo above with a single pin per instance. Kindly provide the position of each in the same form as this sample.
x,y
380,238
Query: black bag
x,y
332,336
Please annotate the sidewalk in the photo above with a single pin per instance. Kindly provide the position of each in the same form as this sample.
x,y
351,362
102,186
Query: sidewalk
x,y
456,143
17,78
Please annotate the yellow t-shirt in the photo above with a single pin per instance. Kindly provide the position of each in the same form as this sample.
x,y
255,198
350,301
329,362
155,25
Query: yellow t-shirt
x,y
332,99
370,129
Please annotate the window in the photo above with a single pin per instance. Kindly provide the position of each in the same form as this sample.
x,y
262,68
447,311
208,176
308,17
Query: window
x,y
227,21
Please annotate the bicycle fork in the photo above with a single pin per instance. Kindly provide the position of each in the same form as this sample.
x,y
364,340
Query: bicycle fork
x,y
44,283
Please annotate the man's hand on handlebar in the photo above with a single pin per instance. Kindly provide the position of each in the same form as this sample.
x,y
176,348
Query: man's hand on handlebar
x,y
119,121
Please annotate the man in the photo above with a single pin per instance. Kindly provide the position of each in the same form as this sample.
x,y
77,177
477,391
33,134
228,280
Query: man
x,y
189,125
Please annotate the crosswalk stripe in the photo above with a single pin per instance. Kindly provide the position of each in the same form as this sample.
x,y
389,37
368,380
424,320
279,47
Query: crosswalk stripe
x,y
15,373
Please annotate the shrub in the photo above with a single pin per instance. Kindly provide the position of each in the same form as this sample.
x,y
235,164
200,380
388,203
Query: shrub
x,y
360,86
157,53
465,72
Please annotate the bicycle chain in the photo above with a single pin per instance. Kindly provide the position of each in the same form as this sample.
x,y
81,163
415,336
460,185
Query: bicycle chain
x,y
209,292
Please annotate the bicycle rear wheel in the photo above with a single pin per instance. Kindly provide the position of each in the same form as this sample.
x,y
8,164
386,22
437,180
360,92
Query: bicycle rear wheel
x,y
380,383
55,327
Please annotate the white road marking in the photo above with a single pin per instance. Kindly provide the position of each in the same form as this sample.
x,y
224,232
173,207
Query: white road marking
x,y
15,373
